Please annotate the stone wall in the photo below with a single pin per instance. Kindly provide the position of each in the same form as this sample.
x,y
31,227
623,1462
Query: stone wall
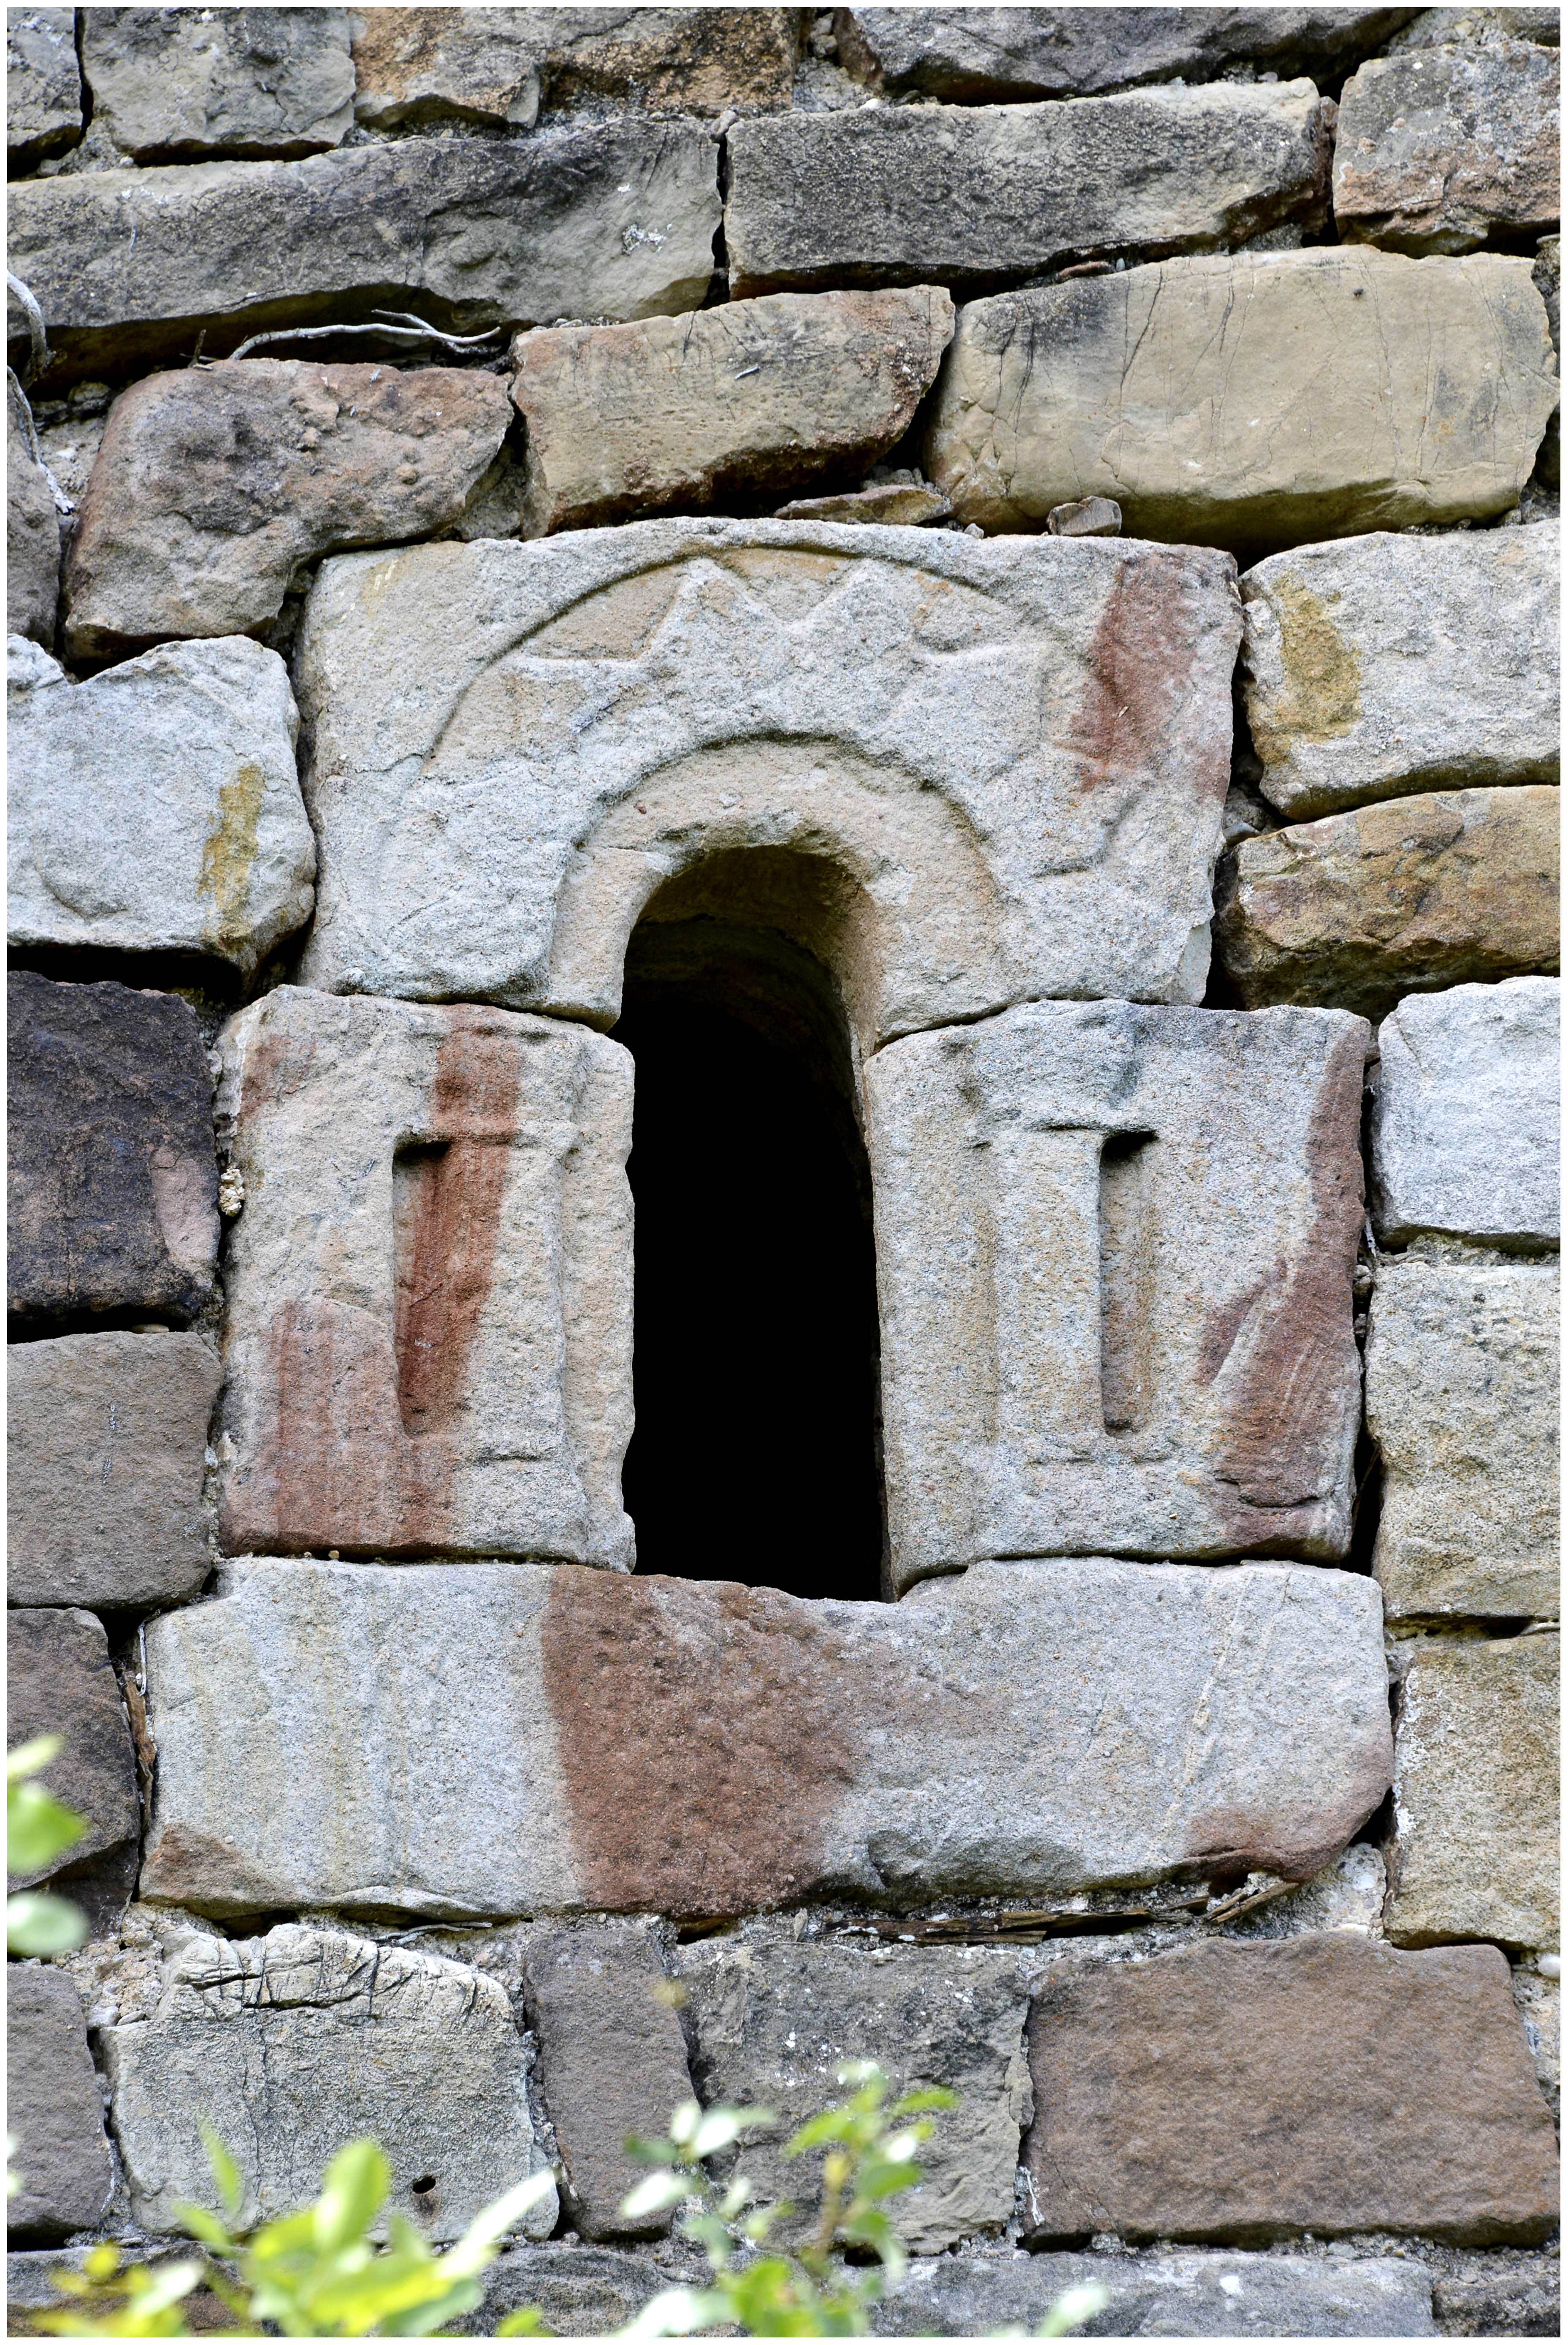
x,y
1015,553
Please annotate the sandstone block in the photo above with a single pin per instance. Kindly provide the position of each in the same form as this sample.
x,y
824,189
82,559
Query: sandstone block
x,y
1123,387
1087,517
1356,910
615,222
1381,2091
580,2291
1114,1258
1166,2295
214,485
1476,1835
32,534
1382,664
1023,1729
899,502
612,2063
291,2045
428,1340
155,807
1465,1111
991,56
42,85
748,400
976,198
1444,149
1463,1403
108,1447
977,771
61,1681
773,2017
113,1182
56,2111
414,66
178,86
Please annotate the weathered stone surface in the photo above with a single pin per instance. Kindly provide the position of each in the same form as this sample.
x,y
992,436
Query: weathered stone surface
x,y
1443,150
1360,909
61,1681
428,1341
113,1182
108,1445
1114,1259
1163,2295
772,2018
1023,1728
1380,393
975,198
979,54
902,504
32,534
580,2291
1462,1401
1380,2091
214,485
1538,2002
1085,517
1499,2297
1383,665
291,2045
1547,278
612,2063
1465,1116
978,772
183,84
615,222
56,2111
42,85
1476,1839
745,401
156,807
414,66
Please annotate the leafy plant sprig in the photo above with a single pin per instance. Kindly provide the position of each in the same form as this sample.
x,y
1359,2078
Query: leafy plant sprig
x,y
39,1827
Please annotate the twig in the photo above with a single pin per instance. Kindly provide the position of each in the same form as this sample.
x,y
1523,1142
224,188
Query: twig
x,y
62,501
403,327
42,354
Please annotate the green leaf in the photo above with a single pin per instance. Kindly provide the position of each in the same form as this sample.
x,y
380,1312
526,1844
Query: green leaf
x,y
32,1758
353,2189
37,1923
203,2226
526,2321
1073,2308
472,2251
37,1827
224,2173
657,2192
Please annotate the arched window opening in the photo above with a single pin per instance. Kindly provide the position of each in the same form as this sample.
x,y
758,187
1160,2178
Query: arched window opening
x,y
756,1455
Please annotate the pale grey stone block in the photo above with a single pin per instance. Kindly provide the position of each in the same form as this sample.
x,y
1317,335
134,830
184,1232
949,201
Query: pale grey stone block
x,y
293,2044
1465,1111
994,771
1023,1729
1379,666
32,533
1443,150
1462,1401
156,807
1114,1258
428,1339
184,85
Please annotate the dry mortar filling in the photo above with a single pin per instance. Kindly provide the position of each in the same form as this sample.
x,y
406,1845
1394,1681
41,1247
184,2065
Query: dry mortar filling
x,y
784,1137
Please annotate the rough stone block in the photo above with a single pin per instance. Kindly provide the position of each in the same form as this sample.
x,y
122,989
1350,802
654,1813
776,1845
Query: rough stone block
x,y
899,503
979,771
1380,666
1023,1729
1114,1258
213,486
55,2109
1538,2002
1360,909
1462,1401
580,2291
428,1341
772,2018
746,401
61,1681
1445,149
999,56
32,534
1324,2083
616,222
417,66
612,2063
974,198
184,85
291,2045
112,1179
107,1448
42,85
1125,387
1501,2297
1466,1100
1163,2295
1476,1839
155,807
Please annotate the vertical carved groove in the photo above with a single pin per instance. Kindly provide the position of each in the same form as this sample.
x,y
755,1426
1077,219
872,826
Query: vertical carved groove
x,y
1126,1273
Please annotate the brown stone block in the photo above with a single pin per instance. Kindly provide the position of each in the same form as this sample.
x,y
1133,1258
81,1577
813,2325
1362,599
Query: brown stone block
x,y
54,2109
61,1681
1247,2092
